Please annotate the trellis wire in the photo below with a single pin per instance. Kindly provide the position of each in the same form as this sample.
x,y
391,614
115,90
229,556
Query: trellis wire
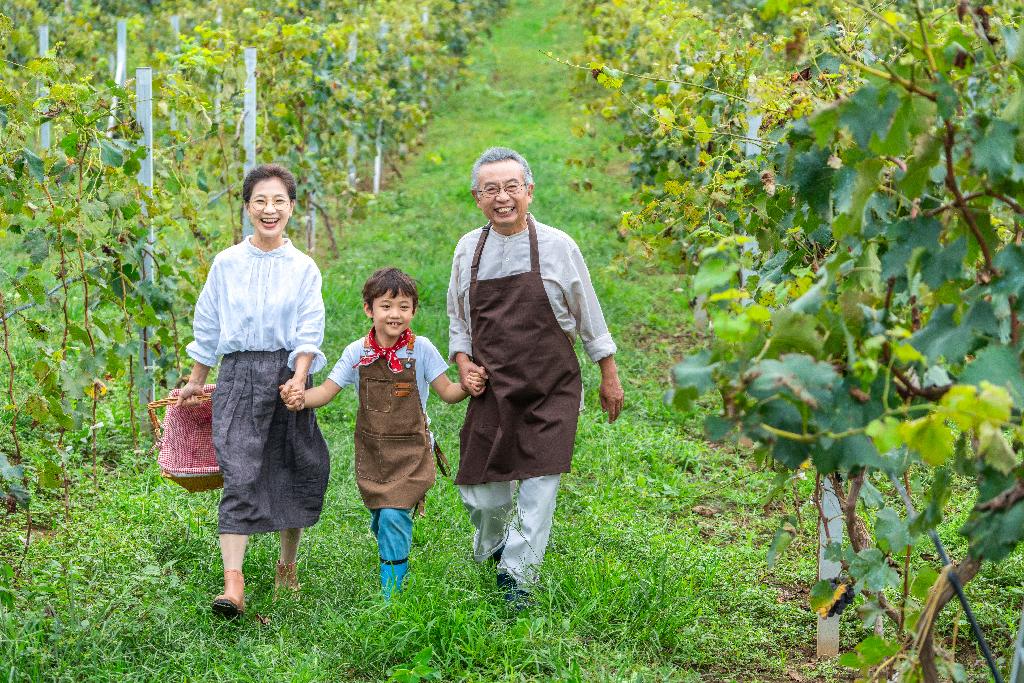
x,y
953,580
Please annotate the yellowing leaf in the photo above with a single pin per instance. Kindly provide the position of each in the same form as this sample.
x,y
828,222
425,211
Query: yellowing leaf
x,y
930,437
969,408
905,353
892,18
700,128
674,187
995,450
885,433
666,116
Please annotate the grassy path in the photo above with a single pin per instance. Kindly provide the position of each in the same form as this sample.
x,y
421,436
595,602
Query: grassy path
x,y
635,586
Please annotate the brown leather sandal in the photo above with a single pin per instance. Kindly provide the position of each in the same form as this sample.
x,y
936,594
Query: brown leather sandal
x,y
231,603
286,576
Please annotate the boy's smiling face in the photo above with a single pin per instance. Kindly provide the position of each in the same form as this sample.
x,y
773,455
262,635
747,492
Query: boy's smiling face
x,y
391,315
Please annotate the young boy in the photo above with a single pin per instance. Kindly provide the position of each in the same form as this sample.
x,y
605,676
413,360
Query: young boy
x,y
391,368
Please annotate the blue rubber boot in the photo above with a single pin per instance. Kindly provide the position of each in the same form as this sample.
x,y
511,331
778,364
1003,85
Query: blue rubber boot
x,y
393,529
392,577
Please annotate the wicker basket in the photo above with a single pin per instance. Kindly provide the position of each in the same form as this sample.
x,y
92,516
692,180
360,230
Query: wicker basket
x,y
185,441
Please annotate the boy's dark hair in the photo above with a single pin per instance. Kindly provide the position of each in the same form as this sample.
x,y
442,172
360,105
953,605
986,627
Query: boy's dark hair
x,y
265,172
392,282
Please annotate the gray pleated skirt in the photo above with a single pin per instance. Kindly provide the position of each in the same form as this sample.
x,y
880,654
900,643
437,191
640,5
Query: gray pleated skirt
x,y
275,462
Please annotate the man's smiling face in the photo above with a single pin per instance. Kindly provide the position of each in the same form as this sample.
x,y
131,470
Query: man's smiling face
x,y
503,195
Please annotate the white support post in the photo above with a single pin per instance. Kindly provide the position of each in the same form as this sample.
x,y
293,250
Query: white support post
x,y
750,147
250,124
378,161
44,47
830,529
176,29
144,114
216,98
353,48
425,17
352,147
311,223
120,70
1017,670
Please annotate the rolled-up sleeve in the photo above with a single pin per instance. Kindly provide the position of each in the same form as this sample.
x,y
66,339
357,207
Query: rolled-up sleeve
x,y
586,309
206,321
459,333
309,323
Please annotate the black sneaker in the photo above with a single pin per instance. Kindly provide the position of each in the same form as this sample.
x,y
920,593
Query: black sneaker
x,y
496,555
516,598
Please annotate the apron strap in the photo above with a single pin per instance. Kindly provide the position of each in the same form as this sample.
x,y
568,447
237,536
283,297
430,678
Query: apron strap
x,y
475,266
442,461
534,251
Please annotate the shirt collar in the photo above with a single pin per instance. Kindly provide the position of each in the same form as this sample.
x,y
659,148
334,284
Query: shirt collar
x,y
280,252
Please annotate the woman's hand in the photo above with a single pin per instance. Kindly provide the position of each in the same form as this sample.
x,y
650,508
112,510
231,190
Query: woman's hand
x,y
188,392
293,393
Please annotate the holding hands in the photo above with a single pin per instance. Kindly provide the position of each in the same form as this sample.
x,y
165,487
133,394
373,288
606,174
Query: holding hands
x,y
474,382
294,395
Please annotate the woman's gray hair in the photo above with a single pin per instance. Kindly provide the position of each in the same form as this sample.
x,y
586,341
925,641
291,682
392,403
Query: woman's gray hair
x,y
496,154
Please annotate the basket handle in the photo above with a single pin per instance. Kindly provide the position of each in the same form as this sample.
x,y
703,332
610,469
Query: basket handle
x,y
170,400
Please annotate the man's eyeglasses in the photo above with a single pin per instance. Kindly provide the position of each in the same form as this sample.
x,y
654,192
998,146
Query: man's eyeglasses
x,y
260,204
492,191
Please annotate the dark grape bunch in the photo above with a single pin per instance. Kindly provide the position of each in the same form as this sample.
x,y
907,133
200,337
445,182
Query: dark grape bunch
x,y
842,597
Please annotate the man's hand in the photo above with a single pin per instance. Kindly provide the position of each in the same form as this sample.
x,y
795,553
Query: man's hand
x,y
612,395
467,368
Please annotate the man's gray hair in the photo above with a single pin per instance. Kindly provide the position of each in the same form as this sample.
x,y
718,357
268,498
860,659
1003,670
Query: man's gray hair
x,y
496,154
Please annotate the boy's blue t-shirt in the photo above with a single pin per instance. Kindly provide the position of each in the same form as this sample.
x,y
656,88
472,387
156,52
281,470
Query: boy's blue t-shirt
x,y
430,365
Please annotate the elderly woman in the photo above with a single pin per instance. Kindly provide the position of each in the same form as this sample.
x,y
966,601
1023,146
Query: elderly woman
x,y
262,311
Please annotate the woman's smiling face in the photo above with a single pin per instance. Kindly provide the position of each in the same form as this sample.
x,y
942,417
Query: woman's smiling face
x,y
269,210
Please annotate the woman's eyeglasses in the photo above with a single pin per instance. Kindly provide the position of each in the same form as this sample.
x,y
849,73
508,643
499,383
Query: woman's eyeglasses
x,y
260,204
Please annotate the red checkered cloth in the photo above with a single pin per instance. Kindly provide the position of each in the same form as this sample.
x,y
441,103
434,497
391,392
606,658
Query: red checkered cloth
x,y
186,445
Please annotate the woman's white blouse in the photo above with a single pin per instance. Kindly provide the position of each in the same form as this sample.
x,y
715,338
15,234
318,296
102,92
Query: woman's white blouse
x,y
256,300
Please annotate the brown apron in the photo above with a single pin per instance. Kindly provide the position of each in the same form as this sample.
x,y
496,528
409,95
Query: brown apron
x,y
394,463
524,424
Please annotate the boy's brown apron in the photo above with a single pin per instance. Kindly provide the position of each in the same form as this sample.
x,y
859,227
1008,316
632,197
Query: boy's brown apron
x,y
524,424
394,461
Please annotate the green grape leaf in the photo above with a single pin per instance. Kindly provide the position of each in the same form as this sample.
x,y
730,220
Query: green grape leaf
x,y
35,165
999,365
993,151
793,332
693,378
714,273
813,179
891,532
872,572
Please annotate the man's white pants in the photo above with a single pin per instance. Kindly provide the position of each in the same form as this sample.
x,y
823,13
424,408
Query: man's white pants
x,y
524,533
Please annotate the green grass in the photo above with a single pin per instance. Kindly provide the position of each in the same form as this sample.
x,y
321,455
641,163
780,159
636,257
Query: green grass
x,y
636,586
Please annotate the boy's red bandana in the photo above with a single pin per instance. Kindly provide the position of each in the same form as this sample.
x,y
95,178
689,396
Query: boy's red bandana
x,y
389,353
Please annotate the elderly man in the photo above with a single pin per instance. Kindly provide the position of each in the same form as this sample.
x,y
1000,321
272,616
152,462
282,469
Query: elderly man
x,y
519,295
